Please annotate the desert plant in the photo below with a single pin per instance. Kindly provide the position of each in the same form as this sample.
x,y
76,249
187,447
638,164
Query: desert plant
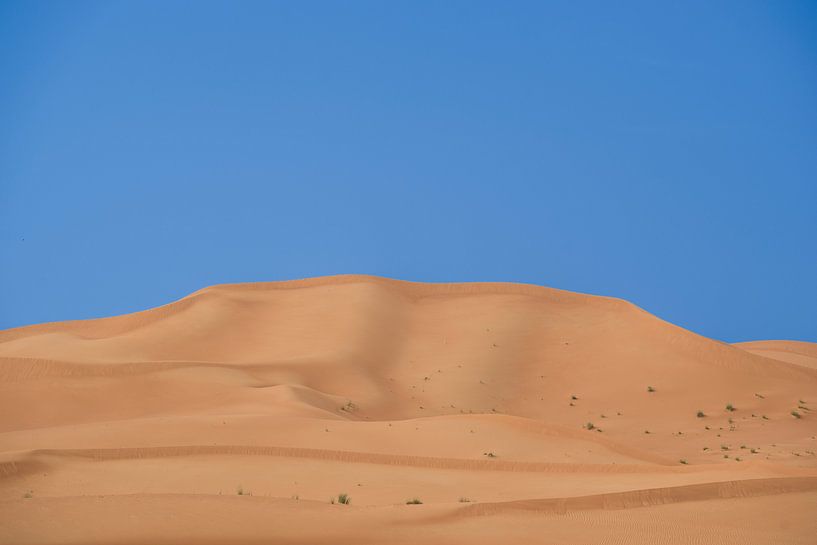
x,y
590,426
700,414
650,389
28,495
573,397
344,499
683,461
796,414
730,407
414,501
240,491
489,454
463,499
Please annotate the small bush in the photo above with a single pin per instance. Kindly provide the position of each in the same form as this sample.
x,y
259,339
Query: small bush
x,y
650,389
683,461
730,407
574,398
796,414
414,501
463,499
700,414
241,492
590,426
489,454
28,495
344,499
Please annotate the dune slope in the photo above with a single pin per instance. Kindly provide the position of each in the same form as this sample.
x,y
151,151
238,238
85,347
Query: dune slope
x,y
242,409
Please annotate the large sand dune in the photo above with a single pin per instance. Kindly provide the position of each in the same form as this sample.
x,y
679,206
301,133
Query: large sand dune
x,y
234,415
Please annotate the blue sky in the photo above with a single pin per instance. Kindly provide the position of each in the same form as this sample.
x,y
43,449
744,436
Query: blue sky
x,y
662,152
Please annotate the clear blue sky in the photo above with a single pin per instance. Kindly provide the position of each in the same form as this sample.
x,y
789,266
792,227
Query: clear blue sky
x,y
663,152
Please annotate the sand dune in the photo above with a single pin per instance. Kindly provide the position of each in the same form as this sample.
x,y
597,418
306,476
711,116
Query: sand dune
x,y
145,427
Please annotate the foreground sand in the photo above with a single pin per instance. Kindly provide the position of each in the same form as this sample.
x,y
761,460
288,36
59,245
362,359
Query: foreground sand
x,y
236,414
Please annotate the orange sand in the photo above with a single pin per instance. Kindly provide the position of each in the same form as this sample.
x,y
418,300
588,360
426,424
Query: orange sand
x,y
144,428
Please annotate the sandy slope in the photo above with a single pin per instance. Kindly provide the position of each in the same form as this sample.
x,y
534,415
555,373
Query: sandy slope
x,y
144,427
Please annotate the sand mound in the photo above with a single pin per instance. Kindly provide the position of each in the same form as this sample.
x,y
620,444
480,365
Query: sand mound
x,y
526,401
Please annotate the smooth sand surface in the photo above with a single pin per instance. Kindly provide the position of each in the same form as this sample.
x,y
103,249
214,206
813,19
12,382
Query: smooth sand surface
x,y
235,415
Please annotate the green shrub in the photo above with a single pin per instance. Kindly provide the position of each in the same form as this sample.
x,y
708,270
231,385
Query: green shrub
x,y
344,499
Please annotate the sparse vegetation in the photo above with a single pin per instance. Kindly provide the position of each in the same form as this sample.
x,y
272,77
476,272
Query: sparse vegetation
x,y
796,414
574,398
463,499
344,499
413,501
760,396
28,495
700,414
489,454
730,407
683,461
590,426
241,492
724,447
764,417
650,389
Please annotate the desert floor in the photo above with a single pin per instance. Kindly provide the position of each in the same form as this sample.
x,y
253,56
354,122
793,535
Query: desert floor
x,y
514,413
